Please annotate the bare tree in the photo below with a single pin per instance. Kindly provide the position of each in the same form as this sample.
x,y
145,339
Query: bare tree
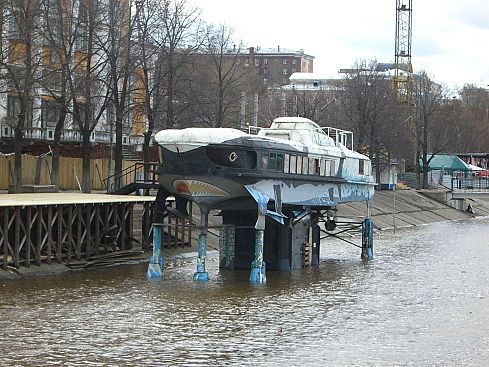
x,y
57,70
21,61
366,101
166,34
120,63
149,37
432,134
182,38
218,80
88,95
474,112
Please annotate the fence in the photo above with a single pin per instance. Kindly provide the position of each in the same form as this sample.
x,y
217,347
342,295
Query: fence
x,y
37,170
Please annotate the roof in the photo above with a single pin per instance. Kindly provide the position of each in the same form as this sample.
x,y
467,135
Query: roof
x,y
276,51
448,163
305,122
301,77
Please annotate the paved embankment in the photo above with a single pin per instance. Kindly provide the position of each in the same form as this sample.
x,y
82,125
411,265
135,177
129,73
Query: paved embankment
x,y
411,208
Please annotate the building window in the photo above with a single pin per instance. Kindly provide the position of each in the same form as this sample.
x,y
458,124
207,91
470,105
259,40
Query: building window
x,y
284,61
333,168
299,165
265,61
14,20
81,39
13,106
293,61
265,71
284,71
52,80
49,113
53,29
257,62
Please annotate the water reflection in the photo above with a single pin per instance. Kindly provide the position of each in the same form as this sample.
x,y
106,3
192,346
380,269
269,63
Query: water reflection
x,y
422,301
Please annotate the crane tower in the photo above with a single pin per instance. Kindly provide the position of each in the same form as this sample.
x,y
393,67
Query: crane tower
x,y
403,70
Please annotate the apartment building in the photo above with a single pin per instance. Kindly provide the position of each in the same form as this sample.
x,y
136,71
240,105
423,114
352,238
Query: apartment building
x,y
276,65
38,40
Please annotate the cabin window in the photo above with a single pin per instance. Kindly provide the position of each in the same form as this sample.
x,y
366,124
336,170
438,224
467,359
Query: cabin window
x,y
305,161
293,164
286,163
314,166
276,162
327,168
322,168
160,151
299,165
278,136
264,160
361,167
333,168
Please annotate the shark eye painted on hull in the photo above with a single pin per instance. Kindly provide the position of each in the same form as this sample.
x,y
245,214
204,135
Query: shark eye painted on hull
x,y
235,158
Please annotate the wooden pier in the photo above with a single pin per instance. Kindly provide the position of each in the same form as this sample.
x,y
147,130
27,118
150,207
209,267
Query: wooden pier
x,y
63,227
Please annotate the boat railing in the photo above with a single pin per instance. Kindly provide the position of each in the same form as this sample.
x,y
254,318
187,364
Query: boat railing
x,y
343,137
253,130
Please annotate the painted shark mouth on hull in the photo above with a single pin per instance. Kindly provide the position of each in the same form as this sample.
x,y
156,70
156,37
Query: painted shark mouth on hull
x,y
197,188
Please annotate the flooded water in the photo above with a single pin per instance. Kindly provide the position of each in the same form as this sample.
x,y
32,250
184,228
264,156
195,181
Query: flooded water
x,y
423,301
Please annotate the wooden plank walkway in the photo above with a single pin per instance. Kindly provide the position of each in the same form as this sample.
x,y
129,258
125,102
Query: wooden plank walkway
x,y
71,227
66,198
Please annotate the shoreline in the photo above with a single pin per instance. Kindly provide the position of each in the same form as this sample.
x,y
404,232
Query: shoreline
x,y
412,208
45,270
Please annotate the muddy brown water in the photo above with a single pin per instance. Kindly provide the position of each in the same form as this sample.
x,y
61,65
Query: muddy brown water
x,y
423,301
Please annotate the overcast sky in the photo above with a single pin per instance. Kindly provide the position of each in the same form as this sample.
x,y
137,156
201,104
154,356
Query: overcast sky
x,y
450,37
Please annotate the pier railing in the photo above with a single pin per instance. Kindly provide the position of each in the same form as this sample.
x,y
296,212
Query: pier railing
x,y
475,183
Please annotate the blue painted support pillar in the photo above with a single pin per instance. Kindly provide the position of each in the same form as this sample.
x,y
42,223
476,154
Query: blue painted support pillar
x,y
156,264
367,239
201,275
258,266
